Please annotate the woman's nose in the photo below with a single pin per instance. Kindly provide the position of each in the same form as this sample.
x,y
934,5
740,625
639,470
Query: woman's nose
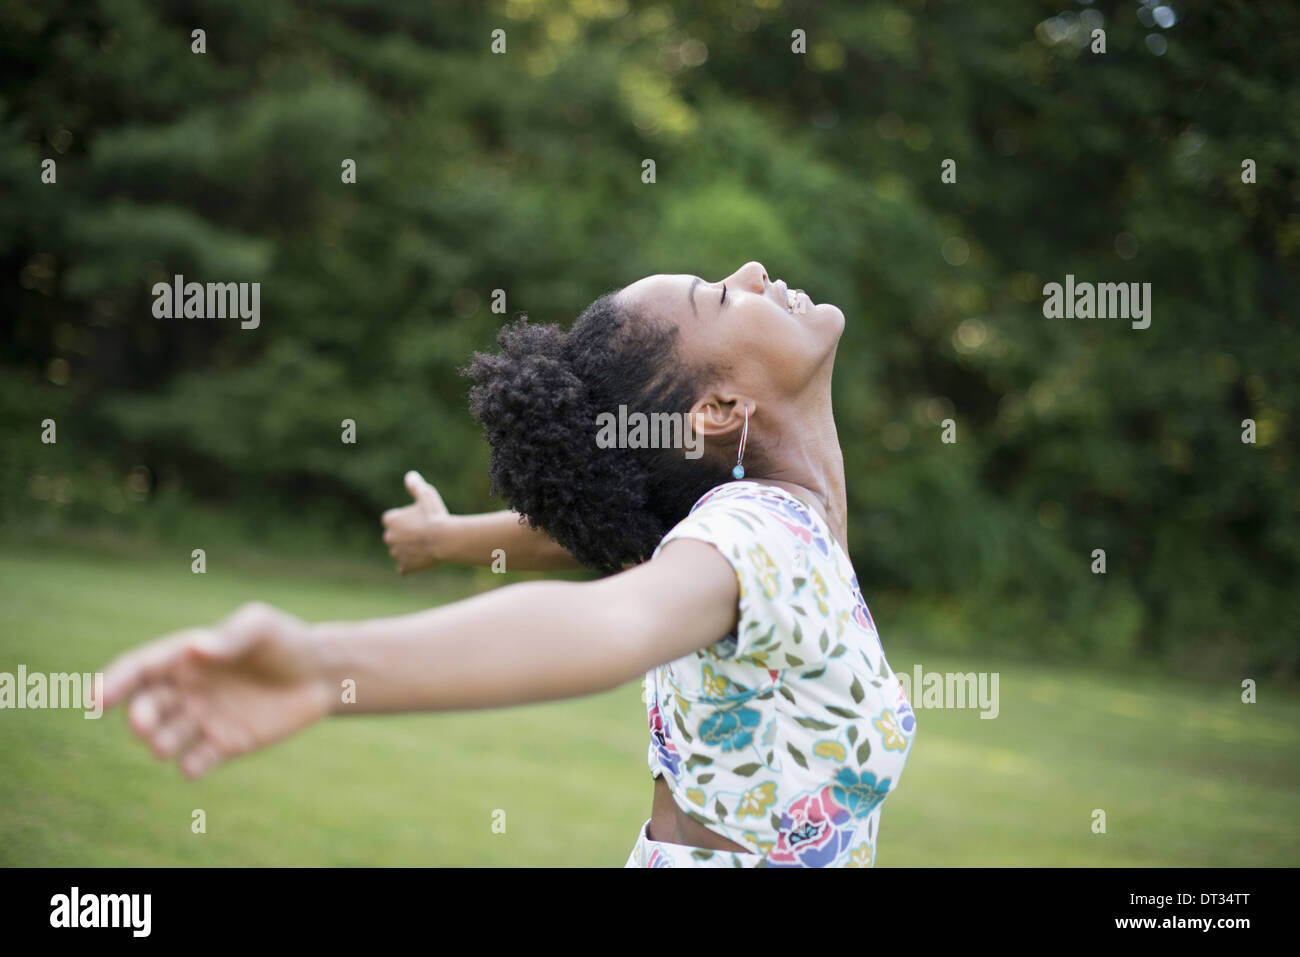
x,y
752,275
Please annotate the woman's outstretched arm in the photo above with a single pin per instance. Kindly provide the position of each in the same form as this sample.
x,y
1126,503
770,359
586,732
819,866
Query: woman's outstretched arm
x,y
205,695
425,534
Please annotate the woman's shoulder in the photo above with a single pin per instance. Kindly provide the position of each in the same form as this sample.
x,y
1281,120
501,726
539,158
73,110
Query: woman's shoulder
x,y
746,490
759,511
798,603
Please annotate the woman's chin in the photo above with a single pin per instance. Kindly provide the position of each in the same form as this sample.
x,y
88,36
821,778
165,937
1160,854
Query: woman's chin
x,y
828,321
831,316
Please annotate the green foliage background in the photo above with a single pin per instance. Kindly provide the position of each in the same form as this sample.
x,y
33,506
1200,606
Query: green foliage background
x,y
522,172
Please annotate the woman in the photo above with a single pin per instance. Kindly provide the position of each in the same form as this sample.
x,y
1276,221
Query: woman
x,y
777,727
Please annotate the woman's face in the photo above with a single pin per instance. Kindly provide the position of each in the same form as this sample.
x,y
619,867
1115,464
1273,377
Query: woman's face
x,y
772,345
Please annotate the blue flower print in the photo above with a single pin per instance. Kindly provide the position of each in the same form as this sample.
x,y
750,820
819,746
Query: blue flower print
x,y
860,794
732,729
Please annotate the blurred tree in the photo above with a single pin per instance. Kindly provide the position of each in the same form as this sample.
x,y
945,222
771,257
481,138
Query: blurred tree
x,y
521,172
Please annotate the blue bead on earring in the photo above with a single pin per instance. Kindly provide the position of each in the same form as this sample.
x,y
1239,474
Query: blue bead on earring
x,y
739,471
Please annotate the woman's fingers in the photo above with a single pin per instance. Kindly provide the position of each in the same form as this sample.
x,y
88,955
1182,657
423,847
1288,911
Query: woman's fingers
x,y
200,758
132,671
176,736
151,708
175,725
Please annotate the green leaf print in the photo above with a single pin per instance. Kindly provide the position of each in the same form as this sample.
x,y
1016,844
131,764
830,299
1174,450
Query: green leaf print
x,y
721,811
810,675
814,724
792,661
706,778
855,689
839,650
842,712
864,751
697,759
797,755
798,583
824,641
776,821
745,770
789,695
681,726
853,733
701,855
798,633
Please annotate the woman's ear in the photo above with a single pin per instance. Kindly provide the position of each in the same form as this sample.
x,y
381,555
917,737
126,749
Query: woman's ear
x,y
719,414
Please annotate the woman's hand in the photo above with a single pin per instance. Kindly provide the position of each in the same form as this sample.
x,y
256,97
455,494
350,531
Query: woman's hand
x,y
425,535
205,695
413,532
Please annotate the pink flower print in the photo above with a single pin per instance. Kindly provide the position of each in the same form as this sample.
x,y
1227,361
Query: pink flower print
x,y
814,830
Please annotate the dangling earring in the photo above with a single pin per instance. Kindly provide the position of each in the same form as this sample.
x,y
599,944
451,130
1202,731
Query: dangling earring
x,y
739,471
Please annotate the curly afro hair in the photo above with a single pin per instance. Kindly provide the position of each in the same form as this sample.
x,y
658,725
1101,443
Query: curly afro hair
x,y
538,401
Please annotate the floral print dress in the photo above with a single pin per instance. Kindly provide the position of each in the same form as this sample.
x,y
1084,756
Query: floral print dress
x,y
787,736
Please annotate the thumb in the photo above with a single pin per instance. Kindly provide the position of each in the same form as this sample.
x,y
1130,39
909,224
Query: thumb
x,y
235,636
221,644
424,493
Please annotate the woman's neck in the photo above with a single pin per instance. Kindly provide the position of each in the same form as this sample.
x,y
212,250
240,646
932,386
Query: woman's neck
x,y
807,461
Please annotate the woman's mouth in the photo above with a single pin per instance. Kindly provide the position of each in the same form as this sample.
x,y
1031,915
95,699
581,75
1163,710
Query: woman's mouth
x,y
797,301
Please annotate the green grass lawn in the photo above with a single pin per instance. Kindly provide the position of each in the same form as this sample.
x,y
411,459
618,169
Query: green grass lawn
x,y
1186,773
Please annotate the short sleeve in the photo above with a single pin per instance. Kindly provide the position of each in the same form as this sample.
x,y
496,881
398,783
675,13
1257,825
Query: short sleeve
x,y
777,606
